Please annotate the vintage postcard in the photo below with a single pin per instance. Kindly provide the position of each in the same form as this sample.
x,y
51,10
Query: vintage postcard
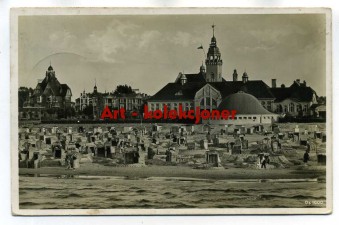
x,y
171,111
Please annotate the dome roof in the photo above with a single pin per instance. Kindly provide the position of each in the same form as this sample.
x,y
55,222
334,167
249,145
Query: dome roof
x,y
50,68
244,104
245,74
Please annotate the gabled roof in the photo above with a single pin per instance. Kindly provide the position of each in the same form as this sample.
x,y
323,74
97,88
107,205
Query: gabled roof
x,y
51,85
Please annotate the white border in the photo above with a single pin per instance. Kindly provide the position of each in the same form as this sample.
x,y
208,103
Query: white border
x,y
5,211
151,11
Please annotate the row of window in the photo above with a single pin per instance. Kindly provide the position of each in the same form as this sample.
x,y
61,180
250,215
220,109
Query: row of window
x,y
186,106
251,117
292,108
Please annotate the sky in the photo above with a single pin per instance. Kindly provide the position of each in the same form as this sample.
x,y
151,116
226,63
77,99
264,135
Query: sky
x,y
148,51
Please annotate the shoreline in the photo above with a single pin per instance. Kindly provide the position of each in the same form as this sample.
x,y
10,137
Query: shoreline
x,y
182,172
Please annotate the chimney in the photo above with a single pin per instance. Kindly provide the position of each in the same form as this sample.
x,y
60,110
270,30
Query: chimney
x,y
274,83
297,81
283,86
235,75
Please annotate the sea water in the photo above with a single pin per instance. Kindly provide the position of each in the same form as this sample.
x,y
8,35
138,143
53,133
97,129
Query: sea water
x,y
91,192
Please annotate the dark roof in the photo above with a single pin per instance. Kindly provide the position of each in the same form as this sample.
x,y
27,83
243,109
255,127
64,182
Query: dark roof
x,y
297,93
64,88
177,91
244,104
51,85
257,88
196,77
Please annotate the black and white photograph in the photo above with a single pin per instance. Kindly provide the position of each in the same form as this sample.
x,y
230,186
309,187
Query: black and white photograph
x,y
171,111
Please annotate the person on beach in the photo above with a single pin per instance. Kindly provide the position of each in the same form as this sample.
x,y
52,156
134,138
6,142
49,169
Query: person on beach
x,y
306,157
263,163
68,162
73,158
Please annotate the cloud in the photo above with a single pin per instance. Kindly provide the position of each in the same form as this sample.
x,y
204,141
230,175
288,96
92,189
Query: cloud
x,y
148,38
182,38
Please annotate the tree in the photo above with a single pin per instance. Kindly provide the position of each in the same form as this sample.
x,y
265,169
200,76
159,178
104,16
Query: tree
x,y
88,111
23,94
124,89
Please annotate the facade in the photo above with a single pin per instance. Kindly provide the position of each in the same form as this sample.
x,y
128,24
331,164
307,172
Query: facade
x,y
207,88
48,97
296,100
130,102
92,102
97,101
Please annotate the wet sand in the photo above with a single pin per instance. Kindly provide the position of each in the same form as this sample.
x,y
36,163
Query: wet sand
x,y
188,172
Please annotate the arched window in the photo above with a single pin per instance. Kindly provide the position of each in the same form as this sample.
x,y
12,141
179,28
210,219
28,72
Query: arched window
x,y
285,108
299,107
291,107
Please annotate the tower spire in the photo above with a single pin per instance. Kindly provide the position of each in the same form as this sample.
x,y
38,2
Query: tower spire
x,y
213,28
213,61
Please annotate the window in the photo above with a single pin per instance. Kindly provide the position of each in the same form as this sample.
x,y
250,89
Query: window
x,y
208,102
245,118
214,103
269,105
291,107
305,108
240,117
254,117
202,103
179,93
